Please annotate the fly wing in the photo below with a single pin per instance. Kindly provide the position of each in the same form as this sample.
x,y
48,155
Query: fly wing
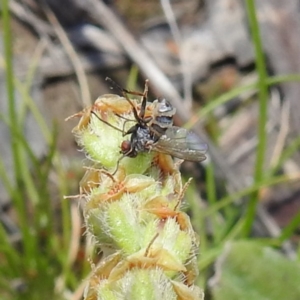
x,y
181,143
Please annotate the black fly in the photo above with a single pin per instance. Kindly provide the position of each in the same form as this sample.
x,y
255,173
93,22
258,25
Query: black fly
x,y
156,132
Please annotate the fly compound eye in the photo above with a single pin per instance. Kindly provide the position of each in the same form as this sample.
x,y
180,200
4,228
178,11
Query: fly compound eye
x,y
125,146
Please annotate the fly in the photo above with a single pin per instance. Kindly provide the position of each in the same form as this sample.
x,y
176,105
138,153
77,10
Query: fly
x,y
156,132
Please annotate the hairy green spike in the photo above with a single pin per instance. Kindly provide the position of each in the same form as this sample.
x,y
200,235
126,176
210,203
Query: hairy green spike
x,y
132,211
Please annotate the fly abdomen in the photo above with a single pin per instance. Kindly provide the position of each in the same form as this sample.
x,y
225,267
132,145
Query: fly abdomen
x,y
157,131
164,108
162,117
163,121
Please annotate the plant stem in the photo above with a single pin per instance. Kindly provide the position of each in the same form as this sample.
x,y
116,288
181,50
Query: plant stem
x,y
263,101
10,86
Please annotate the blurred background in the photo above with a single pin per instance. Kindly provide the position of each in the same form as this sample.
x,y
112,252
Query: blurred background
x,y
232,70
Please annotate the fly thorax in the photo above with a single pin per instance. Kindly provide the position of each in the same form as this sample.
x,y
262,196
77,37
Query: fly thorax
x,y
143,136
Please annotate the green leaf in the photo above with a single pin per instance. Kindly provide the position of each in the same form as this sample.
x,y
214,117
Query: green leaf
x,y
247,270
